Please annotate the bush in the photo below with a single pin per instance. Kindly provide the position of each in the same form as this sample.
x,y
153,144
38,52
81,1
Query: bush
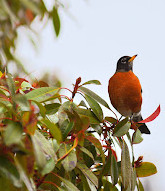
x,y
48,142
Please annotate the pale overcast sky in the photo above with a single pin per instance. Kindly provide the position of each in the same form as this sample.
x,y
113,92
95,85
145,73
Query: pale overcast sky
x,y
94,35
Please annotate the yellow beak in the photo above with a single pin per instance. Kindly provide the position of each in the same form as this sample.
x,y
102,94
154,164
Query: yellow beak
x,y
132,58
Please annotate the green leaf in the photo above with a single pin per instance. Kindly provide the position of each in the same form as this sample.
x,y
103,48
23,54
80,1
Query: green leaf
x,y
68,184
52,108
50,164
64,108
11,84
5,106
146,169
9,171
137,137
38,152
69,163
97,144
114,170
111,120
133,179
23,175
92,118
140,186
42,147
96,82
122,128
32,6
13,133
42,94
94,96
87,152
95,107
125,166
67,130
9,11
88,173
22,101
6,184
56,21
25,85
107,167
108,186
83,104
54,130
41,107
85,185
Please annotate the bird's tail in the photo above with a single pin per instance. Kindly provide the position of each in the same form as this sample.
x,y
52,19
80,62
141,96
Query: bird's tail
x,y
142,126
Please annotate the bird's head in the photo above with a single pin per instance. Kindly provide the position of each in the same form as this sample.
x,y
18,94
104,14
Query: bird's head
x,y
125,63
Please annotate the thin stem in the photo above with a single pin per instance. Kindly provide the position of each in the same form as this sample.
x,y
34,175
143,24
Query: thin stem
x,y
48,182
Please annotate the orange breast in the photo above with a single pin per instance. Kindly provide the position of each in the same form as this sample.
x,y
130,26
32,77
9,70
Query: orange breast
x,y
125,93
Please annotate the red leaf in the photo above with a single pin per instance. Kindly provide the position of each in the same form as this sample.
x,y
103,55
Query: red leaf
x,y
152,116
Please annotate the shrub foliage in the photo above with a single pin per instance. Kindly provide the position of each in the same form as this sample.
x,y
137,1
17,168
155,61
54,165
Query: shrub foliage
x,y
49,142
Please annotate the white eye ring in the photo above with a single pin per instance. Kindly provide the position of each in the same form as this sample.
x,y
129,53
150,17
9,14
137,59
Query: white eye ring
x,y
123,60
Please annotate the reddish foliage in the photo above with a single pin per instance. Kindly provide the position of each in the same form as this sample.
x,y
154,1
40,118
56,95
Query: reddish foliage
x,y
152,116
29,15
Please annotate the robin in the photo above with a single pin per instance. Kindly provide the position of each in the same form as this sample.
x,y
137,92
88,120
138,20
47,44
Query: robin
x,y
125,91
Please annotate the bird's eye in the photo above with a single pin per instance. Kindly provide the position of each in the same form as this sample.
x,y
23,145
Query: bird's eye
x,y
123,60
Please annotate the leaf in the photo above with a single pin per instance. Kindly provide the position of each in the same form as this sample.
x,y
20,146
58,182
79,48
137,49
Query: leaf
x,y
41,94
13,133
95,107
42,148
64,108
114,170
122,128
125,166
108,186
50,165
68,184
9,171
83,104
32,6
133,179
140,186
97,144
9,11
85,183
6,185
146,169
137,137
88,173
96,82
25,85
56,20
52,108
152,116
54,130
22,101
111,120
40,157
86,112
11,85
107,167
87,152
69,163
94,96
23,175
41,108
67,130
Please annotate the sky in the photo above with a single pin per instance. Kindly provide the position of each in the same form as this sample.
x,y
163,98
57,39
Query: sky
x,y
94,35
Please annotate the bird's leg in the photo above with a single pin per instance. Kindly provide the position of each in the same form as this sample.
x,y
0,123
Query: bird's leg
x,y
131,117
120,118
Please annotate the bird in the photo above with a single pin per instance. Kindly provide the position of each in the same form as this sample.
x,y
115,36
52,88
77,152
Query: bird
x,y
125,92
